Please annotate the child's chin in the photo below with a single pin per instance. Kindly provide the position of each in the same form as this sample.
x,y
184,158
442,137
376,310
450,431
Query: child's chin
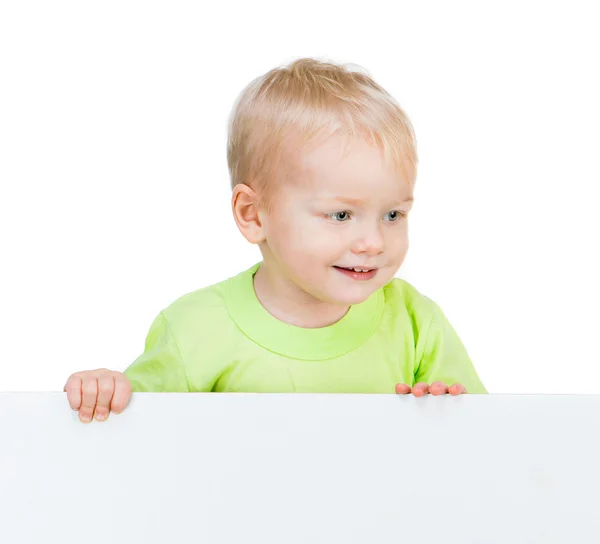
x,y
352,298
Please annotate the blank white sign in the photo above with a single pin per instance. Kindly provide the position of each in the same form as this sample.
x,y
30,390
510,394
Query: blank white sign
x,y
225,468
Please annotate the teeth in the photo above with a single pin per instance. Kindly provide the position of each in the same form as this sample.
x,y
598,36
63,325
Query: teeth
x,y
356,269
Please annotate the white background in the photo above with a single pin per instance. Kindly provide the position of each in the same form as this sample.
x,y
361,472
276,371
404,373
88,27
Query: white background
x,y
115,193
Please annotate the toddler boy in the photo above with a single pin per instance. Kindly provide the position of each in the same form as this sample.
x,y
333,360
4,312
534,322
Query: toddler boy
x,y
323,165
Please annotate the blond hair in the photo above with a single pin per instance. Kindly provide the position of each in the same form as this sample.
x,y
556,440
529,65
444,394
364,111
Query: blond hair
x,y
294,104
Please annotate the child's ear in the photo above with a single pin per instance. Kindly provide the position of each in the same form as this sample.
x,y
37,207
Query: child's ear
x,y
245,206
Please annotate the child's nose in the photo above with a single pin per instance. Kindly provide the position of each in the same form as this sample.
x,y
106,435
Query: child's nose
x,y
370,243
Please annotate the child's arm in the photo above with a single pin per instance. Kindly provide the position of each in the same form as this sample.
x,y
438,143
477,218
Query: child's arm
x,y
442,362
96,393
160,367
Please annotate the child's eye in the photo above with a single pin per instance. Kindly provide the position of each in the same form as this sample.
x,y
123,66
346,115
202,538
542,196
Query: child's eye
x,y
340,216
395,215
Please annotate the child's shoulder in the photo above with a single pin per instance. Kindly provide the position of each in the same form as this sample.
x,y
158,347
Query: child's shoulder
x,y
203,308
426,317
401,295
209,308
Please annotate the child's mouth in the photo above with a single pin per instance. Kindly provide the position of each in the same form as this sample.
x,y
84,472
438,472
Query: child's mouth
x,y
357,273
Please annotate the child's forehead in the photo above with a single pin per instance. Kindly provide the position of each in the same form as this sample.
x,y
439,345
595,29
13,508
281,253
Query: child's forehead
x,y
345,166
337,152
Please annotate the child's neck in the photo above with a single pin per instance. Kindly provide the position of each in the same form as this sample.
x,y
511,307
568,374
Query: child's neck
x,y
288,303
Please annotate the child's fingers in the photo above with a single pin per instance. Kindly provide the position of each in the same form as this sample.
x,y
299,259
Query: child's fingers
x,y
420,389
73,390
90,394
122,393
438,388
402,389
457,389
106,390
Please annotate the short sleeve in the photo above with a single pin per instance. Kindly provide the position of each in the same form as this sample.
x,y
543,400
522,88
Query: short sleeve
x,y
444,357
160,367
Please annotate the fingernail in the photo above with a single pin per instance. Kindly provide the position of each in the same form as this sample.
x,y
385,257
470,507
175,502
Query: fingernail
x,y
100,417
85,417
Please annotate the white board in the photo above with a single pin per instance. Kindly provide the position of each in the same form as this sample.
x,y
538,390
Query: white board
x,y
287,469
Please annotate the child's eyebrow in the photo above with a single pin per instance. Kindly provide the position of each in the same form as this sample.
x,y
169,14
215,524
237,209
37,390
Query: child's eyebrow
x,y
349,201
358,201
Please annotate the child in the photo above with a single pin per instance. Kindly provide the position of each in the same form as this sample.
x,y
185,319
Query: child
x,y
323,165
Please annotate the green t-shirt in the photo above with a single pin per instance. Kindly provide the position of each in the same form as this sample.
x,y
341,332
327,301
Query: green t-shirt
x,y
220,338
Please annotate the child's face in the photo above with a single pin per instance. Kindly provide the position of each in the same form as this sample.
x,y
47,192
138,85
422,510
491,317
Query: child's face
x,y
336,213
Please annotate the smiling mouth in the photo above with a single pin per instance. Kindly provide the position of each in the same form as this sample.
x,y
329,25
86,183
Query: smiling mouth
x,y
354,269
358,274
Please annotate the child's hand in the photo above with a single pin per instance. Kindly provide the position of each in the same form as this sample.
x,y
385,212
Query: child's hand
x,y
95,393
436,388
